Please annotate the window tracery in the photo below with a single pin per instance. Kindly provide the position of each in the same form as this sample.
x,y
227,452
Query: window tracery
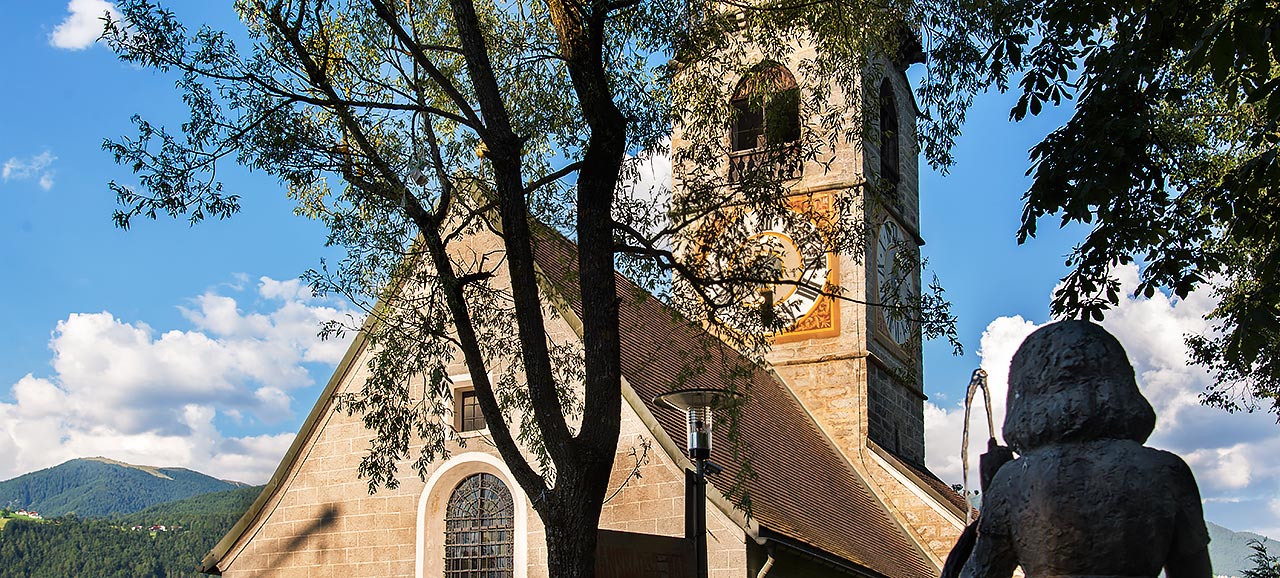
x,y
480,529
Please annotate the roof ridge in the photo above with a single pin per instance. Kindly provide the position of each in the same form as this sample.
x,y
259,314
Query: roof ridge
x,y
827,484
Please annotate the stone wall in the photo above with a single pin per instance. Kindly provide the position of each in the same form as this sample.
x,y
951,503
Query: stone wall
x,y
654,501
895,415
834,392
323,522
933,524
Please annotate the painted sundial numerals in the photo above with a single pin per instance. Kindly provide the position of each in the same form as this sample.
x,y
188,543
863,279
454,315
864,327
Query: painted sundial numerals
x,y
798,260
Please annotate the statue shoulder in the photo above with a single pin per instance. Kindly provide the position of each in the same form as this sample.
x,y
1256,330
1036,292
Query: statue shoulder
x,y
1171,464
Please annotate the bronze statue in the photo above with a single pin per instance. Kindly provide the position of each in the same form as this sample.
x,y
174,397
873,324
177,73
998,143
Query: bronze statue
x,y
1085,498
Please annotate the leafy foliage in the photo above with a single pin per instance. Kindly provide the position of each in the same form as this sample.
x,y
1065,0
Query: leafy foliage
x,y
412,128
1171,154
1265,565
220,509
94,488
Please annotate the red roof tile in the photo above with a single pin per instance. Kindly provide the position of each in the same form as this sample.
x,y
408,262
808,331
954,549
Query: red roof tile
x,y
803,488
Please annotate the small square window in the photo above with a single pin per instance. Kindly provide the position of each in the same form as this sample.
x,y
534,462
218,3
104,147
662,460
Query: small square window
x,y
467,414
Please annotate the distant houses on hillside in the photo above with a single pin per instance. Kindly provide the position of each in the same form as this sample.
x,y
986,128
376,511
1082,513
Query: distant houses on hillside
x,y
34,515
156,528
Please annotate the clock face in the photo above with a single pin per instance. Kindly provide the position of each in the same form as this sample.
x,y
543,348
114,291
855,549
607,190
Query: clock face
x,y
893,276
796,258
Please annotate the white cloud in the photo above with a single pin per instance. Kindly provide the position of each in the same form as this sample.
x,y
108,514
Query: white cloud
x,y
1232,455
652,178
1222,468
123,390
36,167
292,289
83,24
943,427
295,324
274,403
646,183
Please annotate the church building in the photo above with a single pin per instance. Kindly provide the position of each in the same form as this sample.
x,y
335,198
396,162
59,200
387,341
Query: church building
x,y
834,424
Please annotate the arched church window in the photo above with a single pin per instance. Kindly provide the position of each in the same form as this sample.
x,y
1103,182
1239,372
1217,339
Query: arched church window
x,y
479,534
889,145
766,108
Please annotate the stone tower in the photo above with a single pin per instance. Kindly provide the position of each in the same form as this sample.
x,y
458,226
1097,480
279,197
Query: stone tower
x,y
854,363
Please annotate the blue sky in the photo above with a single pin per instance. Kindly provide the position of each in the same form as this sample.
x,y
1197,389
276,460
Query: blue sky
x,y
194,346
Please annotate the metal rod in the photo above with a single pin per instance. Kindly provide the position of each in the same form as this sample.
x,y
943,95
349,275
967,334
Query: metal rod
x,y
700,524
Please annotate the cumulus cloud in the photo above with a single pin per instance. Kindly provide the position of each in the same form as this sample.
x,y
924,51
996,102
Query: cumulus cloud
x,y
943,427
646,182
652,176
291,289
36,167
1232,455
127,391
83,25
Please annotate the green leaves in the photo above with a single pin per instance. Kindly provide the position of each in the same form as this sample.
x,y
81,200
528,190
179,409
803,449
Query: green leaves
x,y
431,137
1265,565
1171,154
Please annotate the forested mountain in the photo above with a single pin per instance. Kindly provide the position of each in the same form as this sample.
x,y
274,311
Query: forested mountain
x,y
110,548
221,508
94,487
1230,550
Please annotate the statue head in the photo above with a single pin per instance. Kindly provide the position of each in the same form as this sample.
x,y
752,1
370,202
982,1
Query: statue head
x,y
1071,381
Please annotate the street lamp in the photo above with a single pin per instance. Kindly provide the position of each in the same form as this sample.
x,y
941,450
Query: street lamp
x,y
699,405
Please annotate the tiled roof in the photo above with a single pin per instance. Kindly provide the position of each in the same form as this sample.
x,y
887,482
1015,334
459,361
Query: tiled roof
x,y
803,488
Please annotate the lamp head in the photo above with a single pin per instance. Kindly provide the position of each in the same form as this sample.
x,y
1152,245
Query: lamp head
x,y
699,405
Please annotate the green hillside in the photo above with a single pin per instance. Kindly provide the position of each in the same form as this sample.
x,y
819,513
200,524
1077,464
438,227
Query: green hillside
x,y
95,487
220,509
109,548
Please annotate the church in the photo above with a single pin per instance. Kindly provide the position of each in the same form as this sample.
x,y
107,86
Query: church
x,y
834,423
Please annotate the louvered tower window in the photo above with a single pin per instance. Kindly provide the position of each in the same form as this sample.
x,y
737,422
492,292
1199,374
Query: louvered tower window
x,y
479,530
889,144
767,109
765,130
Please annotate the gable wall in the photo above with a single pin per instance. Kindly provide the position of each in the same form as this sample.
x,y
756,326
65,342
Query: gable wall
x,y
322,521
325,523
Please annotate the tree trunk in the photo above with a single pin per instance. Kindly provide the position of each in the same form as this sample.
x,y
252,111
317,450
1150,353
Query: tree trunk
x,y
571,541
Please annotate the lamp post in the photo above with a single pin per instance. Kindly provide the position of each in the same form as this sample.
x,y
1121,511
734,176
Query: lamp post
x,y
698,405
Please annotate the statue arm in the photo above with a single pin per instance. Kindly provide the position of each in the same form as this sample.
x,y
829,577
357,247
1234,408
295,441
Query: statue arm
x,y
992,557
993,553
1189,554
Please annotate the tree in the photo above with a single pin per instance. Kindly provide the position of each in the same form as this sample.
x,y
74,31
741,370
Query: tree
x,y
1264,564
1171,154
408,126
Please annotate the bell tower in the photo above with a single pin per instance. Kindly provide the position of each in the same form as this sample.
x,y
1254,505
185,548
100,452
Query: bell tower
x,y
852,352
